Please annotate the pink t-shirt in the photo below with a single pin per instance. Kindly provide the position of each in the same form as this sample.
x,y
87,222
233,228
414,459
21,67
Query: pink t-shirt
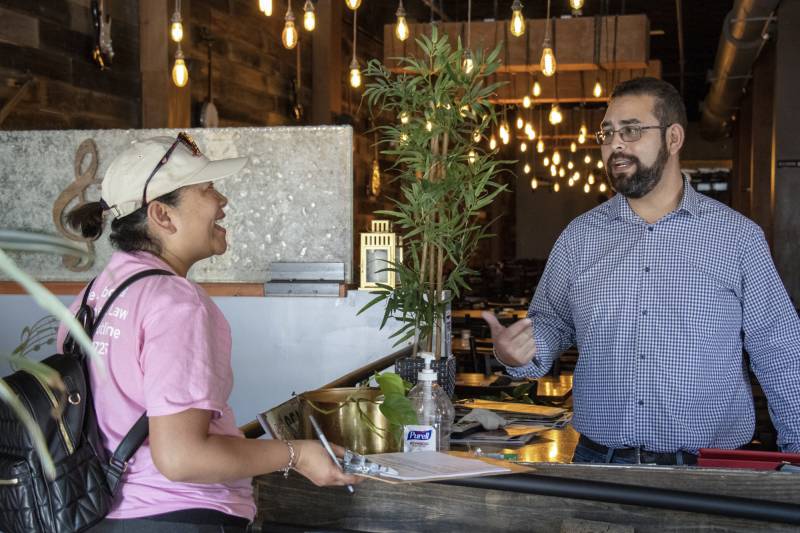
x,y
167,348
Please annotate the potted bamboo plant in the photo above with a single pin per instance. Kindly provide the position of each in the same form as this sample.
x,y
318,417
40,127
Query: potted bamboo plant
x,y
439,115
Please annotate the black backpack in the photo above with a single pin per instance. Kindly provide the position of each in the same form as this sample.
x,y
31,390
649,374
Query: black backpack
x,y
86,478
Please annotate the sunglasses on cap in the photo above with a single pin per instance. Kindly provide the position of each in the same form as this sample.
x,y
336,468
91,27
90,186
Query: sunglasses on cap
x,y
183,139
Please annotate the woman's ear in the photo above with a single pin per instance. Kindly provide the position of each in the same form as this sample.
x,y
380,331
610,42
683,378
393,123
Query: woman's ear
x,y
676,135
159,215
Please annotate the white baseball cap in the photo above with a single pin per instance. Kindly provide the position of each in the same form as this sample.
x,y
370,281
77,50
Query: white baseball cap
x,y
160,165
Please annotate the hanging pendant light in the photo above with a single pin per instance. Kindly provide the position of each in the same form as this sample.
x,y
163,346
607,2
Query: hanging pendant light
x,y
555,116
353,4
526,101
523,147
520,123
526,169
176,26
556,187
597,91
355,74
309,19
517,24
536,90
534,183
540,146
602,187
576,5
492,143
546,161
289,34
573,147
548,61
556,158
180,74
265,6
401,27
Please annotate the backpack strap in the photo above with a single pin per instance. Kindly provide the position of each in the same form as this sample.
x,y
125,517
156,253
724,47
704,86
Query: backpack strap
x,y
118,462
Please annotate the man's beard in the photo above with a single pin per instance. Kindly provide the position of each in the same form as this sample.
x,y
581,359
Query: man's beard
x,y
643,180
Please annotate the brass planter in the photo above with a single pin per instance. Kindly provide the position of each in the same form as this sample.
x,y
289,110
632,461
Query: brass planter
x,y
350,417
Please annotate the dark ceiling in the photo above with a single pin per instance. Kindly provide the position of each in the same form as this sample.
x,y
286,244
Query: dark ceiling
x,y
702,24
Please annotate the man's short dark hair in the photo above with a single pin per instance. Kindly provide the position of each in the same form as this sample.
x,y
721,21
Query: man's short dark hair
x,y
669,107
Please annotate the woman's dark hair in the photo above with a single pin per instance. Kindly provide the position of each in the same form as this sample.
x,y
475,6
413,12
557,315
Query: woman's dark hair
x,y
128,233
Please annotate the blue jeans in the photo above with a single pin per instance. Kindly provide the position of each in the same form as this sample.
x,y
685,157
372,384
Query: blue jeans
x,y
585,454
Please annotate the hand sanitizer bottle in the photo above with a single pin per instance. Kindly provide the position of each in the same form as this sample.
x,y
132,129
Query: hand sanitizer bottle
x,y
435,413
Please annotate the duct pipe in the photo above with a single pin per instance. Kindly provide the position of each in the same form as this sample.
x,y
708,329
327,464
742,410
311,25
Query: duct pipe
x,y
739,45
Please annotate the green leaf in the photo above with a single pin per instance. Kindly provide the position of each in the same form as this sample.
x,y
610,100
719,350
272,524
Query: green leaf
x,y
390,383
398,410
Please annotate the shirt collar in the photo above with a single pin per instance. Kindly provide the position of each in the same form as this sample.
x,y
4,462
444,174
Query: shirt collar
x,y
619,207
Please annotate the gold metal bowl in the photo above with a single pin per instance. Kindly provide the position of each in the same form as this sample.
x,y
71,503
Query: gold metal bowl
x,y
350,417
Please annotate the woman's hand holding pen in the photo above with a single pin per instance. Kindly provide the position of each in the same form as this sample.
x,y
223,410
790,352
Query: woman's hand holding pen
x,y
314,463
513,345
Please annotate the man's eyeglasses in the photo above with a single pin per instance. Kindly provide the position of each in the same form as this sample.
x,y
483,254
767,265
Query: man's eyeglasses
x,y
629,134
185,140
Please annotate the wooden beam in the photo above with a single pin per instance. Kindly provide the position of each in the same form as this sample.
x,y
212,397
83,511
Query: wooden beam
x,y
573,42
327,66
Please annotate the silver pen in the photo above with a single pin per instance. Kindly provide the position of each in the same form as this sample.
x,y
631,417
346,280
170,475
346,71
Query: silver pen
x,y
327,446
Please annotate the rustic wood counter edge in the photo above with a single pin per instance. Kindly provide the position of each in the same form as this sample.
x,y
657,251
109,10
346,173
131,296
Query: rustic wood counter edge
x,y
378,506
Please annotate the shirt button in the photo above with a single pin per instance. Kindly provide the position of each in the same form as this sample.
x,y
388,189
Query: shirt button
x,y
641,402
647,269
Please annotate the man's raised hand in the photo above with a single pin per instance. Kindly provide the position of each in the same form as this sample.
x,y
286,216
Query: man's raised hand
x,y
513,345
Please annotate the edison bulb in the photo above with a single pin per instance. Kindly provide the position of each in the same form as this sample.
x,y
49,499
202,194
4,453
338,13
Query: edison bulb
x,y
576,4
353,4
590,179
553,171
403,117
561,172
176,28
526,101
534,183
526,169
573,147
556,158
505,138
309,19
570,165
401,29
468,64
517,24
530,132
265,6
587,159
586,188
546,161
471,157
537,89
602,187
523,147
581,138
492,143
180,74
548,61
476,136
583,130
520,123
556,187
555,116
429,125
599,164
598,89
540,146
403,138
355,74
576,176
570,182
289,34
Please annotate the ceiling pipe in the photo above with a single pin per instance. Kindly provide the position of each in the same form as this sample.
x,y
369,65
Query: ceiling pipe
x,y
739,45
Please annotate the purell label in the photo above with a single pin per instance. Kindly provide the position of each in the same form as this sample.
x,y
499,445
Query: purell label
x,y
419,438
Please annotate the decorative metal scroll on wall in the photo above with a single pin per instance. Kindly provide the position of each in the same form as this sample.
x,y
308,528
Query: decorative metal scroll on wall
x,y
293,201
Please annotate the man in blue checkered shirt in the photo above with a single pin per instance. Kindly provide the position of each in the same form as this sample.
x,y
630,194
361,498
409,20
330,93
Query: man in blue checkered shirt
x,y
660,288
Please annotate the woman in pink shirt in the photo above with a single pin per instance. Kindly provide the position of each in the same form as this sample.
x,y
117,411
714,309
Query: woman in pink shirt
x,y
167,348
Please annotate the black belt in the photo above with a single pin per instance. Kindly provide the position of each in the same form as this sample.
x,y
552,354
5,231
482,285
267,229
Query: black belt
x,y
639,455
208,517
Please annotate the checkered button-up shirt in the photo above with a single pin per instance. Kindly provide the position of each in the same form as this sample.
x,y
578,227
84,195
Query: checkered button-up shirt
x,y
660,314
